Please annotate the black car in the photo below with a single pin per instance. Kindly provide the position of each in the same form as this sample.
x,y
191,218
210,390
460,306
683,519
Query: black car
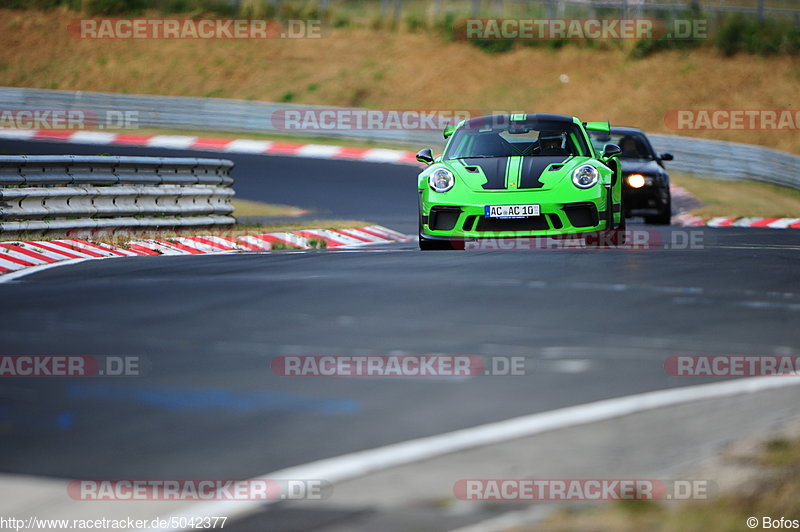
x,y
645,187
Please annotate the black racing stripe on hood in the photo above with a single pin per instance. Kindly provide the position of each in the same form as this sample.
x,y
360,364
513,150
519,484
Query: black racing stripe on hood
x,y
532,168
494,169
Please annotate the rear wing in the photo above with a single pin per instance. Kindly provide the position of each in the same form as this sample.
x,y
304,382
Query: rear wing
x,y
600,127
449,130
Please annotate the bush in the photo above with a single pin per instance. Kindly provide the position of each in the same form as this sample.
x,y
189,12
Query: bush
x,y
731,36
414,22
178,6
646,47
39,4
447,27
454,29
493,46
341,21
221,8
742,34
115,7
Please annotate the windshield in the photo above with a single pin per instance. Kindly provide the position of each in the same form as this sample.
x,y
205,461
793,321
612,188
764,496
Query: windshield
x,y
633,145
500,137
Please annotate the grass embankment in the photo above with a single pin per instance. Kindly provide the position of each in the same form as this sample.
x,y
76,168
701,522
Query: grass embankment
x,y
737,199
251,209
774,493
377,68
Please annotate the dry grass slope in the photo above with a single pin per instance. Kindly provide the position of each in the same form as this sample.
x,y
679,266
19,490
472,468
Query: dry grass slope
x,y
730,199
370,68
772,489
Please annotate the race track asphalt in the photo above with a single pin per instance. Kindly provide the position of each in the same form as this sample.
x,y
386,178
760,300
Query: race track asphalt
x,y
592,324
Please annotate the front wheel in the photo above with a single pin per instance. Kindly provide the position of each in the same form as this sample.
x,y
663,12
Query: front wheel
x,y
428,244
614,235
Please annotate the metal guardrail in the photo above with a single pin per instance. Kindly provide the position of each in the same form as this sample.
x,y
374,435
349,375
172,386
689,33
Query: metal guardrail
x,y
396,9
46,193
176,112
628,7
731,161
706,158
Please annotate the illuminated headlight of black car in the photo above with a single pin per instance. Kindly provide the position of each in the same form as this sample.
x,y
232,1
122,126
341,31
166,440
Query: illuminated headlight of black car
x,y
640,180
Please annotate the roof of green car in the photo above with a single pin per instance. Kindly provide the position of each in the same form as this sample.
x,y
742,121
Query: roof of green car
x,y
529,117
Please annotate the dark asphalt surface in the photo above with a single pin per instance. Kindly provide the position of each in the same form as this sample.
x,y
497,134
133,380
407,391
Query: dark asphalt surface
x,y
593,324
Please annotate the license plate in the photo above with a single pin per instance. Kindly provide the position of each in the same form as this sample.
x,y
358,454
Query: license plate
x,y
511,211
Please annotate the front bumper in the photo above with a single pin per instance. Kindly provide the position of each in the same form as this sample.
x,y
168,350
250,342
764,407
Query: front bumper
x,y
583,211
645,200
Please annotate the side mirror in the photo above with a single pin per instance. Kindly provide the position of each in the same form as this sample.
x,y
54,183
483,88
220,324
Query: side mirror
x,y
448,131
425,156
611,150
666,157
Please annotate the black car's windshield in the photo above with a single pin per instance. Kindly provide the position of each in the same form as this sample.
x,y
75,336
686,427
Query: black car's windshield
x,y
633,145
501,137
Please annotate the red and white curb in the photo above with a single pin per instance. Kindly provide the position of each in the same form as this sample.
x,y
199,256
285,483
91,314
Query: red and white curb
x,y
688,220
264,147
18,255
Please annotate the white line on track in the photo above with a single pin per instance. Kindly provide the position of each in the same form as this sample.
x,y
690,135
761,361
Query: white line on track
x,y
30,270
13,276
353,465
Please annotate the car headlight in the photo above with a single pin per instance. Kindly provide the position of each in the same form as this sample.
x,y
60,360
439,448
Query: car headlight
x,y
636,180
441,180
585,176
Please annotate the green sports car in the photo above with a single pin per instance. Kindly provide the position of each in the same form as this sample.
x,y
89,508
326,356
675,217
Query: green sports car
x,y
518,175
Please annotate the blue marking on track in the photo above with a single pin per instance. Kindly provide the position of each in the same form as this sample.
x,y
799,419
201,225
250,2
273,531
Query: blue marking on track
x,y
202,399
62,421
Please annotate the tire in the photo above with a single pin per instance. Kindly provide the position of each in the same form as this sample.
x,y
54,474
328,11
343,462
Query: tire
x,y
614,234
664,216
621,236
427,244
610,225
